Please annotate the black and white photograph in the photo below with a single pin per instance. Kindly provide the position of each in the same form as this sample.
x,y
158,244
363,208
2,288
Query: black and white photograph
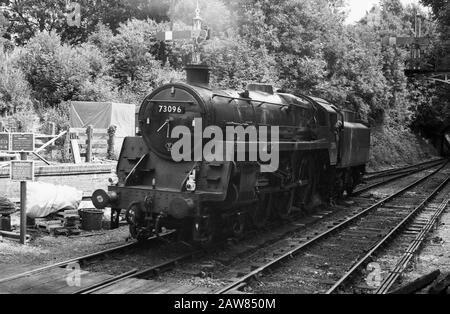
x,y
224,153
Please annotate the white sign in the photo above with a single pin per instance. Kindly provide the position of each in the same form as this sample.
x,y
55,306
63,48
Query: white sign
x,y
22,170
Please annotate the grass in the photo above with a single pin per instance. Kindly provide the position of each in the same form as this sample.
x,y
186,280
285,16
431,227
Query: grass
x,y
392,147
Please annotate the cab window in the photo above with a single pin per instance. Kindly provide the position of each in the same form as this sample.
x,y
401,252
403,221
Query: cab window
x,y
322,117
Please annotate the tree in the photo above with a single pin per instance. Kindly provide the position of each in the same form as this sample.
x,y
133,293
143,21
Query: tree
x,y
131,52
31,16
15,92
58,72
432,113
304,37
132,56
235,63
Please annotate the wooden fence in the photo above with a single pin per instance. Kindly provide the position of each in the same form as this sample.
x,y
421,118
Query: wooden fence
x,y
42,141
89,143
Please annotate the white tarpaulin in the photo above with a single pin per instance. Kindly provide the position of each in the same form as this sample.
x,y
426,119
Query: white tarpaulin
x,y
102,115
44,199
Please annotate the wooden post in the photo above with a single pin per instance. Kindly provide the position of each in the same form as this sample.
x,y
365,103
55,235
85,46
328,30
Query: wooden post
x,y
1,126
66,150
52,127
90,136
111,142
23,206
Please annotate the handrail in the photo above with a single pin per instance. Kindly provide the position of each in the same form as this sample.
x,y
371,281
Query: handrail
x,y
261,102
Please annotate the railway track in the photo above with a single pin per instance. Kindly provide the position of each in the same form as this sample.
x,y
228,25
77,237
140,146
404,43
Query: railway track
x,y
344,248
56,273
421,229
383,173
391,261
377,179
145,279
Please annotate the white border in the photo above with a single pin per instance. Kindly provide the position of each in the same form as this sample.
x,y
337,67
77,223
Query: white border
x,y
23,162
21,151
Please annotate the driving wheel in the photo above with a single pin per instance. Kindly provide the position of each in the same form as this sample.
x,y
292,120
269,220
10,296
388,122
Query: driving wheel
x,y
306,176
283,202
260,213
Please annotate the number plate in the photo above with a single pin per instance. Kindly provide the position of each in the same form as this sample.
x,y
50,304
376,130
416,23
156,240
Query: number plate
x,y
171,109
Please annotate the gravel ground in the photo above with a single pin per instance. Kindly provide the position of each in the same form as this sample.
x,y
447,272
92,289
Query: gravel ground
x,y
289,278
435,254
45,249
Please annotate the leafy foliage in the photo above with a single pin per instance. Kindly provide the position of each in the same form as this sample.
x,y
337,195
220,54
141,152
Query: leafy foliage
x,y
301,46
132,55
15,92
58,72
31,16
235,63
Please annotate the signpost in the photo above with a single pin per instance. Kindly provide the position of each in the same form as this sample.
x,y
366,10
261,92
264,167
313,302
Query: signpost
x,y
22,142
198,34
4,142
22,171
418,65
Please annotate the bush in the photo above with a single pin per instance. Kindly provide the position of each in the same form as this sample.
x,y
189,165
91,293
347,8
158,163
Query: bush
x,y
130,52
235,64
132,57
15,92
59,72
23,121
58,114
395,146
136,91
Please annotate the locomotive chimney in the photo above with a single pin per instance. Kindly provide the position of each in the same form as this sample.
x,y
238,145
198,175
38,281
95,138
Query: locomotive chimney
x,y
198,75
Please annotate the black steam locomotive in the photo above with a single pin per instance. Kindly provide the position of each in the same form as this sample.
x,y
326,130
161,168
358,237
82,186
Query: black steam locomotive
x,y
322,153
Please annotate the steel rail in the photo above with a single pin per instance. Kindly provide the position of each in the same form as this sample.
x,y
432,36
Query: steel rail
x,y
136,274
81,258
416,244
324,235
397,177
107,281
151,270
68,262
411,169
378,174
385,240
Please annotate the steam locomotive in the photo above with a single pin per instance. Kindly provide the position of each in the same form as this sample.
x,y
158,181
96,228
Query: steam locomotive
x,y
322,154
